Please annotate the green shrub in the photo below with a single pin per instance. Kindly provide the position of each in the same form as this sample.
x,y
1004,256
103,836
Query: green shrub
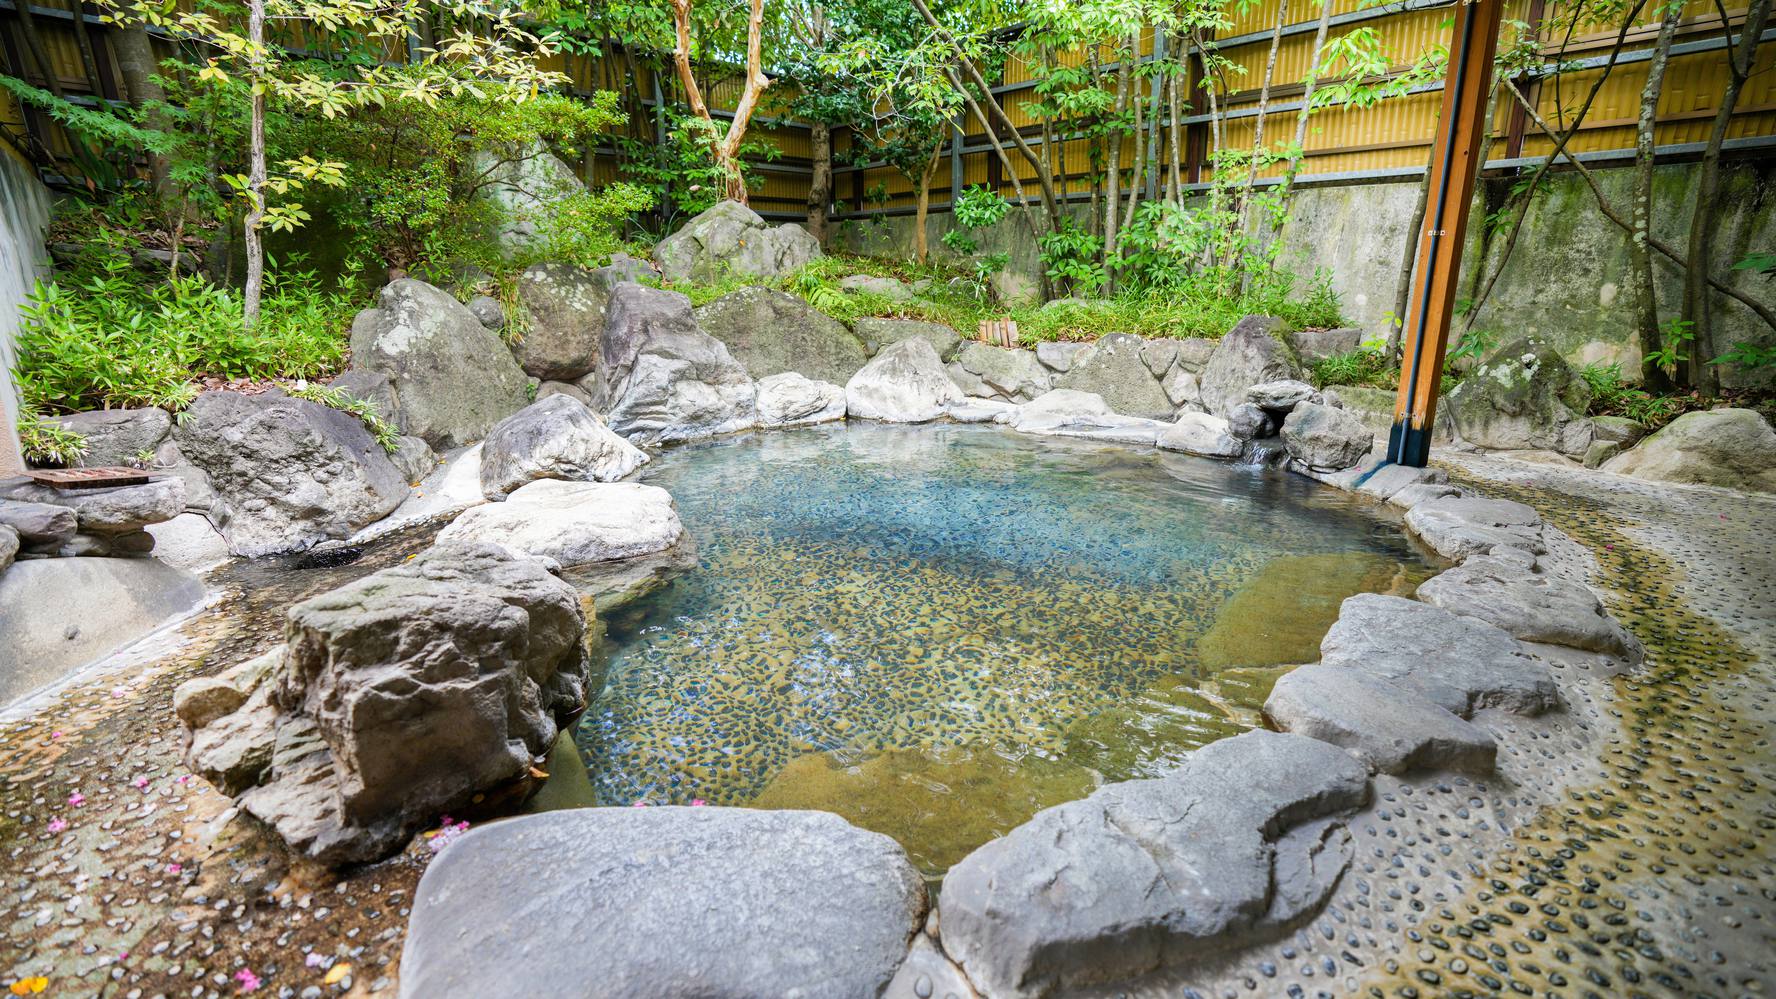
x,y
1370,364
114,338
44,443
1611,396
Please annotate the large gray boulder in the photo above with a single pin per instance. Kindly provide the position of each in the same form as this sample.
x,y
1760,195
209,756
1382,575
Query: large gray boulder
x,y
771,332
1314,346
58,614
666,902
1731,448
904,383
1524,397
1391,728
1072,413
1239,843
372,388
662,378
1059,355
452,378
1460,526
1459,663
1325,439
1251,353
118,436
1114,370
41,527
400,696
730,238
1007,373
565,307
288,474
1202,435
555,438
9,546
525,182
879,333
1511,591
790,399
575,523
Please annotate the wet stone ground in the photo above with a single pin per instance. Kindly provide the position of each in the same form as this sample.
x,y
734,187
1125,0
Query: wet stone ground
x,y
1627,855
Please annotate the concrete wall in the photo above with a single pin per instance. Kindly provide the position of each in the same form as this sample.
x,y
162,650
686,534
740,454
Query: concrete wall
x,y
24,211
1566,279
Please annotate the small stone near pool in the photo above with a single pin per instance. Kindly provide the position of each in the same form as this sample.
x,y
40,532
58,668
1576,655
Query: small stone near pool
x,y
1460,526
793,400
554,438
904,383
664,902
1510,590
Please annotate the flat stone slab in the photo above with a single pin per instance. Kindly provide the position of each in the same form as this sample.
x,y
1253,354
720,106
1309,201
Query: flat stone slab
x,y
1389,727
575,523
1148,873
1510,590
1460,526
59,614
663,902
1459,663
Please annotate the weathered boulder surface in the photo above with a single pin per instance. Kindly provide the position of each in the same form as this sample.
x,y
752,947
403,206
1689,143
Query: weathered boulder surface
x,y
1391,728
893,289
904,383
790,399
288,474
118,436
41,527
556,438
57,614
1007,372
754,903
1510,590
731,238
1202,435
575,523
1324,438
566,310
1460,526
489,310
107,510
771,332
1459,663
1059,355
399,696
1250,354
9,546
1072,413
1282,395
1238,843
1114,370
1732,448
452,377
1314,346
525,182
662,378
1184,389
1524,397
879,333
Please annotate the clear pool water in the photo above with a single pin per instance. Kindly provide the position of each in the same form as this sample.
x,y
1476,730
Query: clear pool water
x,y
936,631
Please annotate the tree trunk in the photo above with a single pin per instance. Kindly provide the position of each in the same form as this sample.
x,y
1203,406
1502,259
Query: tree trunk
x,y
1137,169
1696,304
1017,185
922,245
255,285
1403,289
1113,169
820,184
1299,150
135,63
1270,65
726,149
1639,254
1174,111
89,62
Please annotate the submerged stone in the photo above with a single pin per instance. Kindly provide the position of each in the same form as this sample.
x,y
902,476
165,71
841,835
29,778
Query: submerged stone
x,y
1283,612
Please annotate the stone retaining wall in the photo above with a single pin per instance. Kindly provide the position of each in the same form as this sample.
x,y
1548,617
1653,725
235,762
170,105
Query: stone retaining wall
x,y
24,211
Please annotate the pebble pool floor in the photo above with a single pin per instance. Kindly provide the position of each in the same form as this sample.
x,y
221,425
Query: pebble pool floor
x,y
1651,874
938,631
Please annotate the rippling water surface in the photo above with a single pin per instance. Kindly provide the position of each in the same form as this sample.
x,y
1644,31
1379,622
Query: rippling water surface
x,y
937,631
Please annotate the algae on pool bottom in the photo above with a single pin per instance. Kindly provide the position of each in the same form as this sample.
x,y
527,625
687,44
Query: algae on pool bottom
x,y
938,631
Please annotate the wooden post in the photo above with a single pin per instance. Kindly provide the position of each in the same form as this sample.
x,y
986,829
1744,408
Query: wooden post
x,y
1454,165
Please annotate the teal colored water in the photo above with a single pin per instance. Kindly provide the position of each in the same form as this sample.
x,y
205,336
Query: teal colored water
x,y
937,630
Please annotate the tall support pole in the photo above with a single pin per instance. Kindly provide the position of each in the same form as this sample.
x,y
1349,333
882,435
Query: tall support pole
x,y
1454,165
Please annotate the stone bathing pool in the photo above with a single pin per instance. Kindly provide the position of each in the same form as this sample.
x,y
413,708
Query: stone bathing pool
x,y
938,631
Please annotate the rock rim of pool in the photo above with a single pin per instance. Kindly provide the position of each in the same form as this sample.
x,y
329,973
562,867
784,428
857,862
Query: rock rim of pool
x,y
1241,844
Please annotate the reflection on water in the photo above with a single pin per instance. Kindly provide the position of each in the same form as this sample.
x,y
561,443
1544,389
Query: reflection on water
x,y
937,631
